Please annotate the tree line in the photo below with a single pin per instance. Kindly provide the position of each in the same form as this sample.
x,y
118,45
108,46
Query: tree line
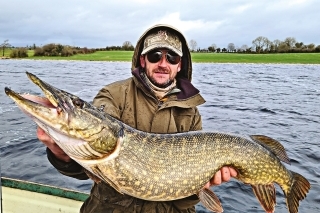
x,y
261,45
58,49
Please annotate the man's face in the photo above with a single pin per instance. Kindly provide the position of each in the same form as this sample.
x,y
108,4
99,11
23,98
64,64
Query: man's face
x,y
161,72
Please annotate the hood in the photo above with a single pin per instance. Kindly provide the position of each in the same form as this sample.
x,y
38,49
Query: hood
x,y
186,65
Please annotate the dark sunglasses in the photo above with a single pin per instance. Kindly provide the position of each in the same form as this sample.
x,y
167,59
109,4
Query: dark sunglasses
x,y
155,56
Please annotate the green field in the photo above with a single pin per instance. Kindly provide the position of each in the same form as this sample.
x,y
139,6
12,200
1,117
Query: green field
x,y
284,58
97,56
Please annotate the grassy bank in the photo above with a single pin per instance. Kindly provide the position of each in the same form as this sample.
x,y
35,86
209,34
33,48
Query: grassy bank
x,y
285,58
97,56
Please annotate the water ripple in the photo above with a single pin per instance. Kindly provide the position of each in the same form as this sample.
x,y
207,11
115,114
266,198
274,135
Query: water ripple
x,y
281,101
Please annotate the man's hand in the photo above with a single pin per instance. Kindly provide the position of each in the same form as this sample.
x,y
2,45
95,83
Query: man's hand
x,y
55,149
223,175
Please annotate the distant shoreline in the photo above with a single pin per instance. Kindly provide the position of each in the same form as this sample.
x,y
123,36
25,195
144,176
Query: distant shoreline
x,y
233,58
68,60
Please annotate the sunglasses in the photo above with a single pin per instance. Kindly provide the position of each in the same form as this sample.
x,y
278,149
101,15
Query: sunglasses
x,y
156,55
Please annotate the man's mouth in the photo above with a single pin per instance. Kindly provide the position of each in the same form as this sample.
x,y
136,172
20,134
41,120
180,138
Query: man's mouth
x,y
161,72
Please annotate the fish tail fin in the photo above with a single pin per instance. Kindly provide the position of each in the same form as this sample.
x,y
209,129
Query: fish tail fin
x,y
298,191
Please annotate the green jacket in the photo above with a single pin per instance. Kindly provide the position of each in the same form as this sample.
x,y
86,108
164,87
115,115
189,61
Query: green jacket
x,y
132,102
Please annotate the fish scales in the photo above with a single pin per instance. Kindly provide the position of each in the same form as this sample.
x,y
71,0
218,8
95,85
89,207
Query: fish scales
x,y
160,167
192,163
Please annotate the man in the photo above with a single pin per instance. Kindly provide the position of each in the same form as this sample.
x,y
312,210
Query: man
x,y
158,98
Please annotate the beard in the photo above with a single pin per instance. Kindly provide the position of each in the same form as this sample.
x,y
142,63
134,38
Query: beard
x,y
154,81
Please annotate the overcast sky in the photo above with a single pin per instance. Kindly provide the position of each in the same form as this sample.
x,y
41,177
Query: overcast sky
x,y
101,23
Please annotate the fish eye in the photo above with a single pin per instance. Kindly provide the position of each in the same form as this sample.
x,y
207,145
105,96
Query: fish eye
x,y
78,102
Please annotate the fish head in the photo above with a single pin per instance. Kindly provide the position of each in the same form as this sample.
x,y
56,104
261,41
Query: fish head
x,y
68,119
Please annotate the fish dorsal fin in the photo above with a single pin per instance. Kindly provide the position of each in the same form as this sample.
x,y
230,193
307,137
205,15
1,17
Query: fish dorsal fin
x,y
210,200
266,194
272,145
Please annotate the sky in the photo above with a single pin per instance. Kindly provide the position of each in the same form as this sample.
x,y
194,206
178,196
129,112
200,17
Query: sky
x,y
101,23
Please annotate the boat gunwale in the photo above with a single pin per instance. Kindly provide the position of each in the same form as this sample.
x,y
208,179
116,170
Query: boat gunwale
x,y
43,189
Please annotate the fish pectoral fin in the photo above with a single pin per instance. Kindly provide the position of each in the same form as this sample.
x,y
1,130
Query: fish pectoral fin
x,y
96,170
92,176
272,145
210,200
266,194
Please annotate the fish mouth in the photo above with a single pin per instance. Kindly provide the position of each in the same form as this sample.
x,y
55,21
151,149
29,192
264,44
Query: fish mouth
x,y
59,115
45,109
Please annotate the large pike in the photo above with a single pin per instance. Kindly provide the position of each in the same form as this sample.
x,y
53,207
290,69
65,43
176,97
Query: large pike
x,y
160,167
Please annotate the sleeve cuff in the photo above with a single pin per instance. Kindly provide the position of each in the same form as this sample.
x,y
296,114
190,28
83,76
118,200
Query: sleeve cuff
x,y
63,166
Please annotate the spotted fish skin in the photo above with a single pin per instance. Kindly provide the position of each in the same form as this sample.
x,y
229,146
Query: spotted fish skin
x,y
160,167
172,166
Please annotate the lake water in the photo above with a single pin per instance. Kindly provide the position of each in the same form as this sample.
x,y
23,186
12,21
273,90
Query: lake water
x,y
280,101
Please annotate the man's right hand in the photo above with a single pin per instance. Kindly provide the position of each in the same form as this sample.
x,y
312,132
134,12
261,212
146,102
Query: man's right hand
x,y
49,142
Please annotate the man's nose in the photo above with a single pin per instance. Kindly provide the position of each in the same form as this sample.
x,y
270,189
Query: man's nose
x,y
163,61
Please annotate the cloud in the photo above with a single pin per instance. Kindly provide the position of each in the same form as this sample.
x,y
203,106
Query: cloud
x,y
105,23
187,25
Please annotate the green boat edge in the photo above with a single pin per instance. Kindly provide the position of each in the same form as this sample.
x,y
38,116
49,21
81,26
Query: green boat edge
x,y
44,189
